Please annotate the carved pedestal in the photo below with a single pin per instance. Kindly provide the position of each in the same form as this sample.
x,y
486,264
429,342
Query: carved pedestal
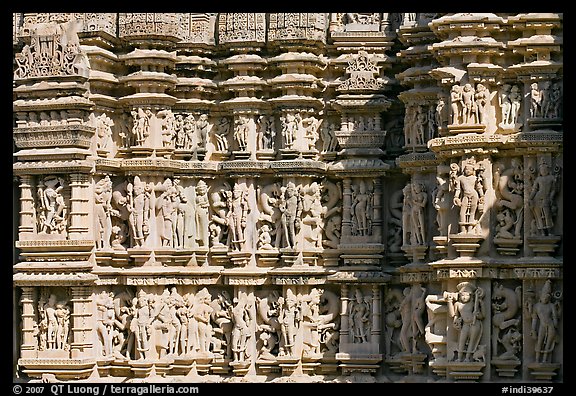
x,y
507,247
456,129
141,368
441,248
543,371
239,259
466,244
219,255
414,362
465,371
543,246
416,253
288,364
267,258
506,367
289,256
104,366
240,368
331,257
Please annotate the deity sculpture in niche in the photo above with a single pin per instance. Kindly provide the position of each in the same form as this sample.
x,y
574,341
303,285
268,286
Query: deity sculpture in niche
x,y
268,321
466,308
469,197
505,323
103,208
51,206
265,132
290,125
242,131
441,199
220,132
140,201
166,204
360,317
362,207
394,320
202,209
242,324
202,130
419,199
54,323
141,126
270,216
411,310
289,318
142,327
219,226
311,214
331,195
237,217
545,316
222,318
395,206
168,125
290,206
509,189
542,200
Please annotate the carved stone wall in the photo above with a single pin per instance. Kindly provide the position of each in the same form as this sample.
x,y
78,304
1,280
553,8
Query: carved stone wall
x,y
279,197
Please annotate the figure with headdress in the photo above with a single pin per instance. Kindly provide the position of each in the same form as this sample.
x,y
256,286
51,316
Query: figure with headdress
x,y
466,308
545,317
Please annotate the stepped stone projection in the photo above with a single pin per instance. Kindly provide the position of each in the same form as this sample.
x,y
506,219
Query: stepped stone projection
x,y
333,197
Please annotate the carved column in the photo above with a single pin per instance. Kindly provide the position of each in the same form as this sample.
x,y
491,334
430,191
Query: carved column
x,y
78,206
27,228
28,347
82,344
346,205
376,314
344,326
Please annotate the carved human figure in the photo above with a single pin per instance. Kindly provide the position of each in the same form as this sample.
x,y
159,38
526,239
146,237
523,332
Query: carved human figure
x,y
222,317
481,99
202,207
407,237
219,219
104,126
361,208
143,321
141,127
311,126
242,131
411,310
268,309
180,135
167,205
241,327
311,322
515,103
545,104
237,216
103,208
328,136
441,200
469,104
104,321
360,317
419,200
63,329
51,321
456,103
139,200
542,198
509,188
545,319
556,104
202,129
202,311
468,195
168,126
289,318
220,132
535,100
505,104
265,132
505,306
290,124
466,308
290,208
420,126
312,212
52,205
190,132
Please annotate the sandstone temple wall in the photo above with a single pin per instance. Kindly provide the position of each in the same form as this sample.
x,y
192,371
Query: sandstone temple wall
x,y
338,196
